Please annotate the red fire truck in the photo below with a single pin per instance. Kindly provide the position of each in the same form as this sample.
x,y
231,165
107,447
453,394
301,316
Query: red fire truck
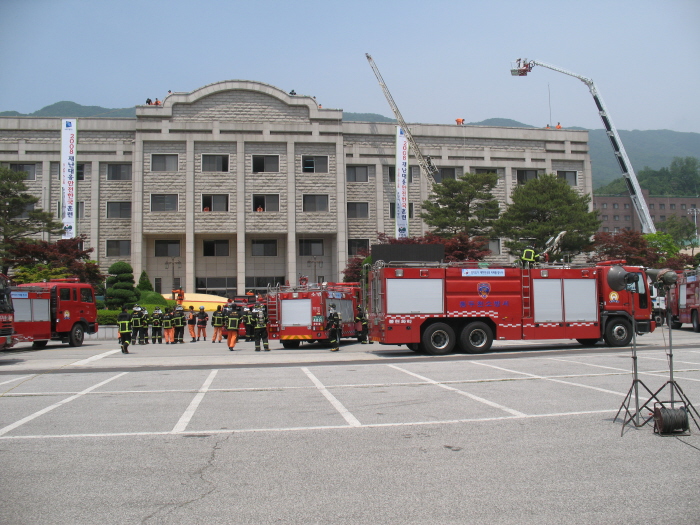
x,y
440,308
298,313
6,314
61,309
684,300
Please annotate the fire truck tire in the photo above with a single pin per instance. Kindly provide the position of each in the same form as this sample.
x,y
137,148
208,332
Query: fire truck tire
x,y
676,325
291,344
77,334
439,339
618,332
416,347
39,344
696,322
476,338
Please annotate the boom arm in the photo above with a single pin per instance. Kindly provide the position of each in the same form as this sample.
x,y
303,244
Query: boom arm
x,y
426,165
525,66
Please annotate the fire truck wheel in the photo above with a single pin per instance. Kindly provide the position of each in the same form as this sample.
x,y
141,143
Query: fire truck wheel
x,y
439,339
476,338
676,325
618,332
416,347
39,344
696,322
77,334
588,342
291,344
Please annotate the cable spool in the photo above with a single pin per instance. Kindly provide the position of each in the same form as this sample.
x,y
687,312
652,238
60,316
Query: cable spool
x,y
670,420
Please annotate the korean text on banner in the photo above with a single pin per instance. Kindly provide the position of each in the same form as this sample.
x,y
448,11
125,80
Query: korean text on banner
x,y
68,176
401,184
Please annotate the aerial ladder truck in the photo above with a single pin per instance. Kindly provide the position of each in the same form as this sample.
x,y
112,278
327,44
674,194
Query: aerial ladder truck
x,y
524,66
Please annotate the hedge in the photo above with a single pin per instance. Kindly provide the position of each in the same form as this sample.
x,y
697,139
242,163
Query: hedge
x,y
109,317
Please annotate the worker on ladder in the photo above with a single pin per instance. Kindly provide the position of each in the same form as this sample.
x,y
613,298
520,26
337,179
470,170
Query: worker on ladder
x,y
528,257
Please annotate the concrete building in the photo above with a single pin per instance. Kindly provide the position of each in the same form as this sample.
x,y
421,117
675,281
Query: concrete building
x,y
239,184
617,212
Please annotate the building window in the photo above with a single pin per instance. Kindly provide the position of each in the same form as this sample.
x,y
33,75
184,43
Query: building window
x,y
79,210
79,172
605,217
167,248
315,203
118,171
413,173
662,206
263,282
269,203
445,173
628,217
392,173
311,164
176,284
481,171
606,229
119,210
495,246
615,206
164,202
118,248
218,163
568,176
158,285
215,248
682,206
616,217
264,247
215,202
310,247
357,174
662,218
604,205
392,210
29,169
526,175
161,162
651,206
627,206
223,286
266,163
358,210
358,247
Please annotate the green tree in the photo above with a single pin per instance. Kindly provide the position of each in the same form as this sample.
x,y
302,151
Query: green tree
x,y
37,273
18,217
681,230
144,283
462,205
541,209
120,286
680,179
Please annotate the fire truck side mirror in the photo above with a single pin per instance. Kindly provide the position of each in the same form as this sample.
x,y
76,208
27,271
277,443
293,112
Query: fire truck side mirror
x,y
619,278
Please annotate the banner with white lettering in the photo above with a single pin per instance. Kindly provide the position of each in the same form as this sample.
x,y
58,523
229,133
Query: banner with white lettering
x,y
401,184
68,176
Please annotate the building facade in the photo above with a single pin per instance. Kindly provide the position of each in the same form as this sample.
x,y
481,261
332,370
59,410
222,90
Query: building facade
x,y
238,184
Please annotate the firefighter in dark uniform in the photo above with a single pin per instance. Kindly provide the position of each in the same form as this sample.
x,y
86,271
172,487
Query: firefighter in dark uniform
x,y
192,323
145,321
249,324
231,320
362,319
333,327
124,324
179,324
157,326
217,321
529,258
168,330
136,324
260,329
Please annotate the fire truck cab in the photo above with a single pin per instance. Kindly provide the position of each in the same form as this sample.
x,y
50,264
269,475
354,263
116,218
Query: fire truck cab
x,y
61,309
441,308
299,313
6,314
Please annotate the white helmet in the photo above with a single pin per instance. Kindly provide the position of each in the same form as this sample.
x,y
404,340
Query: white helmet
x,y
145,311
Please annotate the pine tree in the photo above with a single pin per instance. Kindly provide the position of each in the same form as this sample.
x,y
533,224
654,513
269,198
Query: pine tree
x,y
144,283
462,205
120,286
541,209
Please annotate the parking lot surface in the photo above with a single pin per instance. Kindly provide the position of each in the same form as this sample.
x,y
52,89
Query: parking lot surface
x,y
194,433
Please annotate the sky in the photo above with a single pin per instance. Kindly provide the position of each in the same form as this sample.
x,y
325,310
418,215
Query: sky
x,y
441,60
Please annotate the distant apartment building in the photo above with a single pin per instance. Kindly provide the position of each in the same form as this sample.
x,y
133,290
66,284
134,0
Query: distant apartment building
x,y
239,184
617,212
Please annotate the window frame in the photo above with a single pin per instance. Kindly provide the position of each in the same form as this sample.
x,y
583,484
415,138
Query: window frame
x,y
211,198
168,243
215,247
120,216
309,162
306,196
355,252
256,201
526,175
256,159
31,174
310,243
177,162
565,174
223,156
121,176
164,195
119,246
357,205
353,170
265,243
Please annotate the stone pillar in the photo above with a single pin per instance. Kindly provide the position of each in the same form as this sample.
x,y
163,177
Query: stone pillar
x,y
95,210
341,196
138,255
291,215
189,218
240,217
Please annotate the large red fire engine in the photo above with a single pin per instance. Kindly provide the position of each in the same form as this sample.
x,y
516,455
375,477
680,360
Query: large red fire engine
x,y
439,308
6,314
61,309
299,313
684,300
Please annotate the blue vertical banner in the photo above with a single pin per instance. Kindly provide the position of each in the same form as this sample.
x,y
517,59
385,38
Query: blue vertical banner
x,y
69,140
401,184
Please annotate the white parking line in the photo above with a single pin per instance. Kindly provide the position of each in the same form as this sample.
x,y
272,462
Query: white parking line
x,y
187,415
352,421
13,380
35,415
461,392
95,358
